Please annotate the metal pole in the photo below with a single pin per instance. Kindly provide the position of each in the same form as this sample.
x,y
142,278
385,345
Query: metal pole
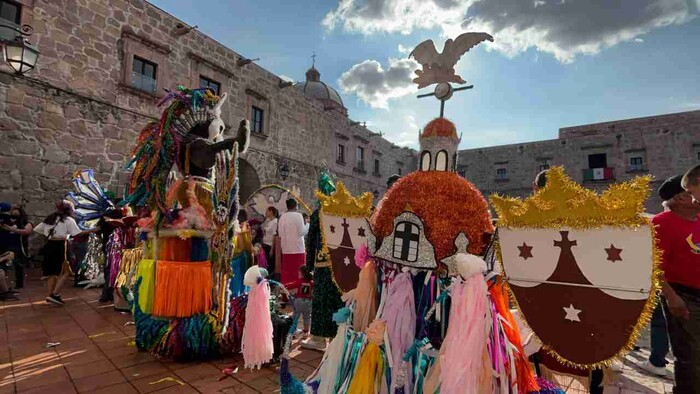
x,y
442,108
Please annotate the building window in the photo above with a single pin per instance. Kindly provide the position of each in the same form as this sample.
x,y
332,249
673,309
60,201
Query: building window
x,y
544,165
206,83
462,171
256,120
360,158
501,174
406,237
698,155
340,154
399,171
376,167
597,160
143,75
10,12
441,161
636,163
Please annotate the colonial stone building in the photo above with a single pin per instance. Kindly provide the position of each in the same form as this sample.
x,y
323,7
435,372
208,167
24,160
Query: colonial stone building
x,y
103,66
594,155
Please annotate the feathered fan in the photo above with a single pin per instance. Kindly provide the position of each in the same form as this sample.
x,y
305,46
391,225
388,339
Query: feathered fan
x,y
89,200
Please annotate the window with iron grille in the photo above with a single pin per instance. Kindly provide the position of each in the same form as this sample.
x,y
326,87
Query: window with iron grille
x,y
340,154
376,166
256,120
143,75
206,83
501,173
636,163
360,158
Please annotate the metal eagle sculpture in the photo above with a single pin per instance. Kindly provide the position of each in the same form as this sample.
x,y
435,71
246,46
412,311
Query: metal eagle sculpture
x,y
440,67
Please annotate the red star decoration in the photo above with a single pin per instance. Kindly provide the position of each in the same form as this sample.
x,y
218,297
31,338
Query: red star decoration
x,y
613,253
525,251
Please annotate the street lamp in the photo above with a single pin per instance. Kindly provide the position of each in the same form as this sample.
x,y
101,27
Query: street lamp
x,y
19,53
283,169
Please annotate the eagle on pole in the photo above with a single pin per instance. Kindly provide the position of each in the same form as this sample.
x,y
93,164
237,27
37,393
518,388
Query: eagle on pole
x,y
440,67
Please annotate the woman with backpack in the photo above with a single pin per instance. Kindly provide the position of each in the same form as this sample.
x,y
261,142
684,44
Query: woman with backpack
x,y
58,228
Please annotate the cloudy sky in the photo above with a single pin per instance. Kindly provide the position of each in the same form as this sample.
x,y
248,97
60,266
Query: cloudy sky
x,y
553,63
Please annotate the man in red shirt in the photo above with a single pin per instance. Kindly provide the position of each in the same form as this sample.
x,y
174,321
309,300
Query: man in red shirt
x,y
678,237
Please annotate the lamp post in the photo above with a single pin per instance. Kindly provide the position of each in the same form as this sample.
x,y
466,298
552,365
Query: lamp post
x,y
19,53
283,169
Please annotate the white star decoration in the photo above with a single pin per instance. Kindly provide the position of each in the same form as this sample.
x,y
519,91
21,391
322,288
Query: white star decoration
x,y
572,313
346,261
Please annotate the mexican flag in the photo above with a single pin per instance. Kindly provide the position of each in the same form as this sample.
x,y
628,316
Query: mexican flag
x,y
597,174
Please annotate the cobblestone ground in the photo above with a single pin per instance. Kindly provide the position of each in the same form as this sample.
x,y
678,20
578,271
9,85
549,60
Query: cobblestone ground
x,y
96,354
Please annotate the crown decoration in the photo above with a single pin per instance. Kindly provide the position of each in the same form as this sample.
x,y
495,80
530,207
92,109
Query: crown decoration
x,y
564,203
343,204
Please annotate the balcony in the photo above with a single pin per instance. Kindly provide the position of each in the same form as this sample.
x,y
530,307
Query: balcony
x,y
598,174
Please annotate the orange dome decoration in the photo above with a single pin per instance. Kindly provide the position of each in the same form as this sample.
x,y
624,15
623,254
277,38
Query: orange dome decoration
x,y
440,127
448,205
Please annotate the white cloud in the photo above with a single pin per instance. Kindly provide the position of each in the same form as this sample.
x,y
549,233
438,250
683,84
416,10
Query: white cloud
x,y
562,28
639,40
403,50
375,85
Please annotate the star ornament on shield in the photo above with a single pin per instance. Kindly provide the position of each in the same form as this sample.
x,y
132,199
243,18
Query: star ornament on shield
x,y
566,252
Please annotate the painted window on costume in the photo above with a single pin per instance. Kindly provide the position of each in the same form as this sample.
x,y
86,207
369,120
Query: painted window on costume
x,y
143,75
206,83
406,237
256,120
441,161
425,161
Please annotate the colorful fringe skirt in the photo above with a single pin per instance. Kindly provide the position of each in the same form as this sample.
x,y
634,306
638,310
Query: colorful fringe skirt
x,y
147,272
182,288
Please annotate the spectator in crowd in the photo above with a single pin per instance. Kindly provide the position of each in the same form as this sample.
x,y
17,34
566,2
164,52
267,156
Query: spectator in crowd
x,y
304,287
292,229
5,293
58,228
14,234
269,233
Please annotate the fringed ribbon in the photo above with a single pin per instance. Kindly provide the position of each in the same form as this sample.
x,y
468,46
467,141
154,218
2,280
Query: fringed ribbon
x,y
464,345
370,369
400,317
182,289
146,276
366,297
524,376
257,334
326,375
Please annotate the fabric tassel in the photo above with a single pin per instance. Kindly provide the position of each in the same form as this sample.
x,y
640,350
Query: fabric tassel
x,y
361,255
327,372
182,289
400,316
465,342
257,333
370,369
366,297
146,274
525,377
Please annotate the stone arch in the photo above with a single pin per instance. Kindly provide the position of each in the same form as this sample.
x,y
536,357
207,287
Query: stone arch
x,y
247,179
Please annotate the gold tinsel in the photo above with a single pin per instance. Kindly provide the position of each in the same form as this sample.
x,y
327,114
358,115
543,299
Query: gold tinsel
x,y
564,203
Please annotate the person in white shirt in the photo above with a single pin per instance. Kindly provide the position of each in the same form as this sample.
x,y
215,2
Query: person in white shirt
x,y
58,228
292,229
268,241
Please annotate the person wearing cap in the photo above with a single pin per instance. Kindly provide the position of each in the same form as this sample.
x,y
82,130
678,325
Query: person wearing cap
x,y
677,236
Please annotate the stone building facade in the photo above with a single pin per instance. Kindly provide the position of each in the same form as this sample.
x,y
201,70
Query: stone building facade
x,y
663,146
103,66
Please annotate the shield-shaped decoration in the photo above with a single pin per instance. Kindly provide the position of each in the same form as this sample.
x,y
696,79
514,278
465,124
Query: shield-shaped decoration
x,y
582,267
344,227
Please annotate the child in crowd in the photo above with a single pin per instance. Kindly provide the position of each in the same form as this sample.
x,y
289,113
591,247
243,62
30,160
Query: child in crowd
x,y
302,300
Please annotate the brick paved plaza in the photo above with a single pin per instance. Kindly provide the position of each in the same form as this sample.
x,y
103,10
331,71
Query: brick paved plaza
x,y
96,354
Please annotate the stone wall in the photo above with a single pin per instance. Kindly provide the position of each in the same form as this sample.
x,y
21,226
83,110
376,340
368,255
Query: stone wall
x,y
668,144
77,108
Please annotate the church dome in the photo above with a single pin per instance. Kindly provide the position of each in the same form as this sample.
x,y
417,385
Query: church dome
x,y
315,88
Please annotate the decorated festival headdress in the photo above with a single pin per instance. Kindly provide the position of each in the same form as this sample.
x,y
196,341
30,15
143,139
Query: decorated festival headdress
x,y
160,142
